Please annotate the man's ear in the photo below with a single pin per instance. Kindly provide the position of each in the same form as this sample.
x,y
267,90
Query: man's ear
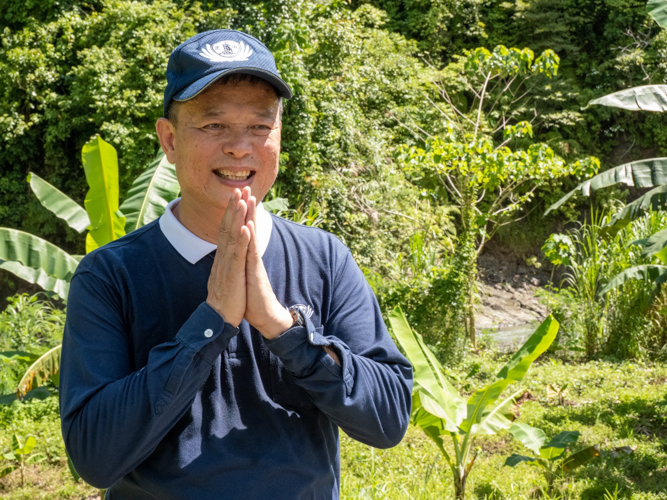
x,y
166,132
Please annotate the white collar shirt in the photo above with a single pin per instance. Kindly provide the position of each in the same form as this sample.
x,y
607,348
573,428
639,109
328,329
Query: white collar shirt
x,y
192,248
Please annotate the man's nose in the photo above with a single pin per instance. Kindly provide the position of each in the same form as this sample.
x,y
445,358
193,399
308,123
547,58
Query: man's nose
x,y
237,143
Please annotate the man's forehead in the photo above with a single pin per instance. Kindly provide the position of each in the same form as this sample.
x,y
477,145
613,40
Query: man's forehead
x,y
257,98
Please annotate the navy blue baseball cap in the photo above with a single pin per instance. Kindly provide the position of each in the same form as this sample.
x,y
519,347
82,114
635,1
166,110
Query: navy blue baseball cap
x,y
208,56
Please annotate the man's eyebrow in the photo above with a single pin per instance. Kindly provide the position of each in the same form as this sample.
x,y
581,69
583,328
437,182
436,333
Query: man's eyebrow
x,y
267,113
212,113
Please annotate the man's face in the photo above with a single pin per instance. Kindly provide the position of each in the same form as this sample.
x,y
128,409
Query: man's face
x,y
215,146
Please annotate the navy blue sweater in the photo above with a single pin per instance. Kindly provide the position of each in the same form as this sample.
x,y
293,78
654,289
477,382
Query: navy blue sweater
x,y
161,399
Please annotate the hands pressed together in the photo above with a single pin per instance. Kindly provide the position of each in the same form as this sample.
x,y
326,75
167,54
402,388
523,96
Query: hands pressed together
x,y
238,287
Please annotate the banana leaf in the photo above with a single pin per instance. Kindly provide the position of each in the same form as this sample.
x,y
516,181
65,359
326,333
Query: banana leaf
x,y
100,164
72,470
150,193
514,460
657,245
36,458
18,356
59,203
498,418
642,174
655,199
47,366
513,371
23,448
556,447
443,399
39,277
658,11
644,98
7,470
276,204
531,437
580,458
32,251
422,418
655,273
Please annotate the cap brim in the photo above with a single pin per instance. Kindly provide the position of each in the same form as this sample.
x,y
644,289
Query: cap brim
x,y
282,89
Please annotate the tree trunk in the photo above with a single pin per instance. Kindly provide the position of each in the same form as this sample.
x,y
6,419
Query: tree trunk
x,y
467,262
471,315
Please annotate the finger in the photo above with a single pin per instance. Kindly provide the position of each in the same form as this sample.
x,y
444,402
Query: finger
x,y
227,218
245,194
253,251
238,221
241,249
252,210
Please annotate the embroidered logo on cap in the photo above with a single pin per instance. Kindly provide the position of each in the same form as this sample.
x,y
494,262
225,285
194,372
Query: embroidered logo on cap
x,y
226,51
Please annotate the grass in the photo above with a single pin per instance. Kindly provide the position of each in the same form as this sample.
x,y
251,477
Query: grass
x,y
619,406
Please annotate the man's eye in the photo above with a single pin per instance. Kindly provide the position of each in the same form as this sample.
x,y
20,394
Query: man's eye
x,y
215,126
260,127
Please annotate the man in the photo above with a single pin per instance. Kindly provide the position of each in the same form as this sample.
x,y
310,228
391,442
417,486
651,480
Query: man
x,y
214,353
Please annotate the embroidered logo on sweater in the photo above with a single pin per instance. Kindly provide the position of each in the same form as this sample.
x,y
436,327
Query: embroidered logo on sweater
x,y
306,310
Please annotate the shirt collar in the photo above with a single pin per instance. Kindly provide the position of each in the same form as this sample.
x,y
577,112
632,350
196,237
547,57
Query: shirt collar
x,y
192,248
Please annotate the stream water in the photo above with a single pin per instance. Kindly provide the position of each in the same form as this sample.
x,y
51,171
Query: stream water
x,y
509,338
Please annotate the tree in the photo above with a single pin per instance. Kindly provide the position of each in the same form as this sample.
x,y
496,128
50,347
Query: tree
x,y
487,108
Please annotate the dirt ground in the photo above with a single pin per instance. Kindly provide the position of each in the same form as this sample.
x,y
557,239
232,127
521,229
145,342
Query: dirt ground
x,y
507,292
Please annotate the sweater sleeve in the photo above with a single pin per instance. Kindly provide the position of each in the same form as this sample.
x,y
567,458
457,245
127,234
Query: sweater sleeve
x,y
112,415
369,395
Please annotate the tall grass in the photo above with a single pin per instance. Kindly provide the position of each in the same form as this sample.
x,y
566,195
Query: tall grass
x,y
30,324
627,322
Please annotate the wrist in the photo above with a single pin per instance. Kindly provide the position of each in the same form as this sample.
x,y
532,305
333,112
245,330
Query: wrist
x,y
281,322
213,306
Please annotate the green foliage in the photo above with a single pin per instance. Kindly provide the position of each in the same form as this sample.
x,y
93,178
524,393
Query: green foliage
x,y
100,163
658,11
558,249
551,456
52,268
644,98
29,327
442,28
150,193
45,368
59,203
642,174
471,165
71,70
429,287
43,263
439,410
29,323
20,456
596,316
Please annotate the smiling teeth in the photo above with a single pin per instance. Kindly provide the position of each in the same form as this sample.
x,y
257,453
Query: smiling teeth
x,y
233,176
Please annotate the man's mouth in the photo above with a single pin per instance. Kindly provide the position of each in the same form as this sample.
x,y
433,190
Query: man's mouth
x,y
234,175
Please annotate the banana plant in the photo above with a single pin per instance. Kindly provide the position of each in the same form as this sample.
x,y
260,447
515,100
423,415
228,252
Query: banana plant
x,y
20,456
38,261
651,173
439,410
551,456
